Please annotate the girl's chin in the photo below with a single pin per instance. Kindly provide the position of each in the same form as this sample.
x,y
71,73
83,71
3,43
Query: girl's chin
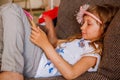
x,y
85,38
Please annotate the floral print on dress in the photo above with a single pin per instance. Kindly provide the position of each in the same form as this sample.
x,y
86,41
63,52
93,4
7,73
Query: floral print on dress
x,y
51,68
48,63
60,50
81,43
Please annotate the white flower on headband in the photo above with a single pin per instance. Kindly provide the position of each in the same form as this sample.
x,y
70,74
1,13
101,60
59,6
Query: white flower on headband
x,y
81,12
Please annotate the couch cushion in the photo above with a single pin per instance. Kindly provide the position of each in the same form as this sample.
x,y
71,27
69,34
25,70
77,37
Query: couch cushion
x,y
110,64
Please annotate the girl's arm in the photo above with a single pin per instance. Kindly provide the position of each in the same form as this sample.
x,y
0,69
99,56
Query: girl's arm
x,y
67,70
51,34
39,38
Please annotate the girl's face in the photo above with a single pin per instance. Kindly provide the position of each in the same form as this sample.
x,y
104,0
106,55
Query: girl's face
x,y
90,29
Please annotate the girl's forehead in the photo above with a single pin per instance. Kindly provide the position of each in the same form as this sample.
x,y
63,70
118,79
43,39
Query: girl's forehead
x,y
88,18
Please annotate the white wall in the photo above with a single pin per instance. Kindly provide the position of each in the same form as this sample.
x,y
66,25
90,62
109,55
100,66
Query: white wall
x,y
32,3
38,3
48,5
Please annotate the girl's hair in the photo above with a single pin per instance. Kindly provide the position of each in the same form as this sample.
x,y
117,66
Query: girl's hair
x,y
105,13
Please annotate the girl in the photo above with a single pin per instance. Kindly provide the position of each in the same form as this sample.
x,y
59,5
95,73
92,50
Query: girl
x,y
78,54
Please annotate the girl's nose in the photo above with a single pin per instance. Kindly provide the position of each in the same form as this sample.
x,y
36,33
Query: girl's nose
x,y
83,26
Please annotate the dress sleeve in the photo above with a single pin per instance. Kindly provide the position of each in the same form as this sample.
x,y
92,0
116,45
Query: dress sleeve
x,y
92,69
89,51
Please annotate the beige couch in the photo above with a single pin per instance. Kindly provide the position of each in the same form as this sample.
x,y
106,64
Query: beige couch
x,y
109,68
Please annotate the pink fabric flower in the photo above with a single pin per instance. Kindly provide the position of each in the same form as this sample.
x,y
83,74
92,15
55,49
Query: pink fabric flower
x,y
82,11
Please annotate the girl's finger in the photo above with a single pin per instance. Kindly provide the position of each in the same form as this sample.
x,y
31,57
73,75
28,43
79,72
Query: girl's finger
x,y
32,23
32,37
34,28
34,33
40,30
32,40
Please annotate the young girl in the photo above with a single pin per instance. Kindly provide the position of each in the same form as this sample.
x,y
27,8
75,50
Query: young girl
x,y
78,54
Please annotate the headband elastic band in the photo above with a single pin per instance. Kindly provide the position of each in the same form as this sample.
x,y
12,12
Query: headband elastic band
x,y
93,16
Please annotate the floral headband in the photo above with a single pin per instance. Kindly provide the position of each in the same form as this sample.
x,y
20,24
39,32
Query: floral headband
x,y
82,11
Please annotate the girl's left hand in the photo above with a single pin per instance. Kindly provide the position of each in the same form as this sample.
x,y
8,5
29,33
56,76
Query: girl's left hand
x,y
39,37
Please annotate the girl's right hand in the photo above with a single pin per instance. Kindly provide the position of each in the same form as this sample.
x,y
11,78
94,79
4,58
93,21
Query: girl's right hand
x,y
39,38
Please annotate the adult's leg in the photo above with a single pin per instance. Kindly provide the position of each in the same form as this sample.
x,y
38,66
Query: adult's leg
x,y
19,54
10,76
7,75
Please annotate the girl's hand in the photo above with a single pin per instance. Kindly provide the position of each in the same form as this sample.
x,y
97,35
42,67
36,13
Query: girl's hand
x,y
51,34
49,23
39,38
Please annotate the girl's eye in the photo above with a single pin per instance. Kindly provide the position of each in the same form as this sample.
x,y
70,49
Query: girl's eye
x,y
89,23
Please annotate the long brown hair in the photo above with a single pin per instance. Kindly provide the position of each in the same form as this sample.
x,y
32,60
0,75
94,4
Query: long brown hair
x,y
105,13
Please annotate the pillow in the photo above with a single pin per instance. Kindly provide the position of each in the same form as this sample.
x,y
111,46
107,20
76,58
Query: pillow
x,y
110,64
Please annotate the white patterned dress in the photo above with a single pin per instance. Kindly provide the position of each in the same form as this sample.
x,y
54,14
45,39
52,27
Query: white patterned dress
x,y
69,51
